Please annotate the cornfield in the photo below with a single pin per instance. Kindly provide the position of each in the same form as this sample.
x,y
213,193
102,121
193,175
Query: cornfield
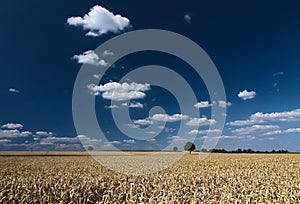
x,y
221,178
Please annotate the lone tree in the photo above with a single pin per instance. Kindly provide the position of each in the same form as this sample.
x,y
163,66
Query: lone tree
x,y
175,149
90,148
189,146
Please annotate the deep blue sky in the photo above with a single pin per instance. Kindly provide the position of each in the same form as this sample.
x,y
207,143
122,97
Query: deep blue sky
x,y
254,44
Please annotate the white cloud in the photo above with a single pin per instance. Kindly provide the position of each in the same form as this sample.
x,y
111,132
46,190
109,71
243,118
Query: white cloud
x,y
255,128
100,21
12,126
292,130
151,132
112,143
204,132
133,105
97,76
243,122
274,132
146,121
286,116
25,134
53,140
133,126
202,104
169,118
278,74
246,95
200,122
90,57
107,53
4,141
277,132
44,133
111,107
151,140
188,18
14,133
13,90
129,141
205,104
176,138
224,104
120,91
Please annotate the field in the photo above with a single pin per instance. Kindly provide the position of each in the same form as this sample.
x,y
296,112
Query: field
x,y
221,178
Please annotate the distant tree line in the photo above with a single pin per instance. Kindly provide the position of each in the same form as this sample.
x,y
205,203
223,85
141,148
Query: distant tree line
x,y
243,151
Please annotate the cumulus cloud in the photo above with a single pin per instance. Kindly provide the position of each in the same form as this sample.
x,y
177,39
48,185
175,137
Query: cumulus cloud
x,y
43,133
224,104
244,122
111,107
13,90
285,116
204,132
287,131
129,141
206,104
151,132
188,18
90,57
200,122
4,141
145,121
169,118
246,95
14,133
97,76
133,105
203,104
100,21
176,138
292,130
12,126
120,91
110,144
255,128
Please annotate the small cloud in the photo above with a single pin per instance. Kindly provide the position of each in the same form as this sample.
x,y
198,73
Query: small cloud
x,y
4,141
176,138
188,18
12,126
278,74
203,104
97,76
200,122
120,91
90,57
111,107
129,141
133,105
146,121
151,140
151,132
246,95
169,118
204,132
12,90
100,21
44,133
107,53
224,104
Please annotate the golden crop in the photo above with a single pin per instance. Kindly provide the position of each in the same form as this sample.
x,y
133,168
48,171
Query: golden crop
x,y
221,178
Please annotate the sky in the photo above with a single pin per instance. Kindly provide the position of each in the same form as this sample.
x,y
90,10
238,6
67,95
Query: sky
x,y
254,45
